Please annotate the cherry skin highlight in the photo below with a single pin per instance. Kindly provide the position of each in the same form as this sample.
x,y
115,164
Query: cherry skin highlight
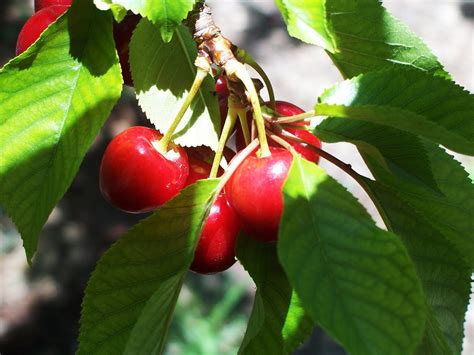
x,y
215,251
42,4
122,35
255,193
135,177
221,88
36,25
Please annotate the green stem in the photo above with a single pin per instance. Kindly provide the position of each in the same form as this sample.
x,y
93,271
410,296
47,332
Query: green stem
x,y
248,59
297,118
244,124
226,130
200,76
244,76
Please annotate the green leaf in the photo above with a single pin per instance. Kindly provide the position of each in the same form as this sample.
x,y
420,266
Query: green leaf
x,y
444,274
368,38
163,74
166,14
449,210
54,99
278,323
436,242
306,20
398,151
131,295
356,280
409,100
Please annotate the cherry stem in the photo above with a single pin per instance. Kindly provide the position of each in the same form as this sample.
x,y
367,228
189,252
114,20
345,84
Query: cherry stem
x,y
200,76
296,118
243,55
226,130
235,163
244,124
347,168
240,72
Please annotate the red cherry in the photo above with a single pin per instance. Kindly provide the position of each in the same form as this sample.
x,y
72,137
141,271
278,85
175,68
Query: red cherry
x,y
302,148
221,88
198,170
287,109
36,25
122,35
135,176
42,4
215,251
255,192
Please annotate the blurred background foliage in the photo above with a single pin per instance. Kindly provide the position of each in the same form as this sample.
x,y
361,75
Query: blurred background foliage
x,y
40,306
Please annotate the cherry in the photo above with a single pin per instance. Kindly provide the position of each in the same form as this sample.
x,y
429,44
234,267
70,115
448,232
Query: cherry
x,y
255,192
221,88
36,25
135,176
215,251
42,4
287,109
198,170
122,35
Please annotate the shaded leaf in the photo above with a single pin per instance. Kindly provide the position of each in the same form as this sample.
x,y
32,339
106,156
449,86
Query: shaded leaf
x,y
278,323
131,295
162,74
355,280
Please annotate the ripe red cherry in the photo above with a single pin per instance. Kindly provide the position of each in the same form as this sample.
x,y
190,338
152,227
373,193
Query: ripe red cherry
x,y
122,35
42,4
287,109
255,192
135,176
221,88
36,25
198,170
215,251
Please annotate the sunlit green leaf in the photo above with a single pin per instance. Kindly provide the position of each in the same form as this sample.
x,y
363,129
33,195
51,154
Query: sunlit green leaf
x,y
54,99
166,14
409,100
306,20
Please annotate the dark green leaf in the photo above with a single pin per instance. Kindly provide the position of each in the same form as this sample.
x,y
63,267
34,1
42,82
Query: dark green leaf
x,y
163,74
131,295
356,280
166,14
306,20
278,323
432,214
54,99
368,38
409,100
444,274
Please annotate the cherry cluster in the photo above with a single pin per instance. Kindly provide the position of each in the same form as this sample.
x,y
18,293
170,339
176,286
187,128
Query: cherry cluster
x,y
48,11
136,177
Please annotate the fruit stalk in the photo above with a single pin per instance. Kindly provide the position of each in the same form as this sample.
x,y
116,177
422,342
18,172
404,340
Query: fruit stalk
x,y
210,40
226,131
297,118
203,67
